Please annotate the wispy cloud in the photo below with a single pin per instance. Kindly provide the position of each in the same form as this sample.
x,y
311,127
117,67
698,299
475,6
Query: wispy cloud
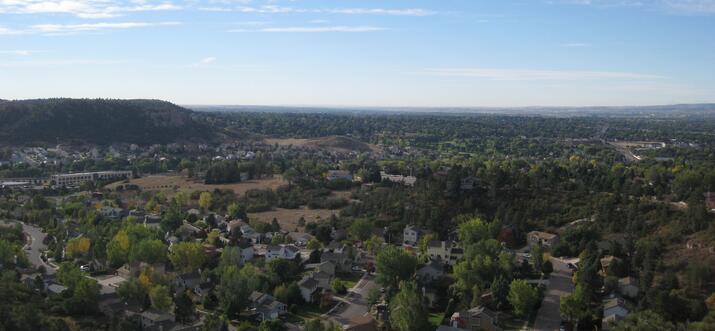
x,y
535,75
90,9
208,60
7,31
675,6
273,9
382,11
575,45
313,29
692,6
18,52
74,28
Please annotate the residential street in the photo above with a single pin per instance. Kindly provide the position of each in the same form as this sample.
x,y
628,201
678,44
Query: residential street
x,y
36,237
548,318
356,301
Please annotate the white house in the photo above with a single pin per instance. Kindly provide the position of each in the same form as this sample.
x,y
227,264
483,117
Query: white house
x,y
286,252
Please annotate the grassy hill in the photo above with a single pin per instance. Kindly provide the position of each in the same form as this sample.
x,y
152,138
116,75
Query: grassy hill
x,y
99,121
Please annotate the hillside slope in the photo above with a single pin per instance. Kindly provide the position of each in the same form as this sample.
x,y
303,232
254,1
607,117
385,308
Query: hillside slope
x,y
100,121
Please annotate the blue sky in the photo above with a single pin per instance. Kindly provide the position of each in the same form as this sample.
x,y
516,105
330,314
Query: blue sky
x,y
446,53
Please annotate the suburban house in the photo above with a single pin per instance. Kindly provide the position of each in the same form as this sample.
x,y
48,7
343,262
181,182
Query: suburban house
x,y
55,288
342,256
319,279
614,310
308,288
710,201
300,239
411,235
447,251
266,307
400,179
246,254
339,174
189,231
111,212
430,272
250,234
467,184
628,287
187,281
477,318
607,262
286,252
545,239
152,221
155,320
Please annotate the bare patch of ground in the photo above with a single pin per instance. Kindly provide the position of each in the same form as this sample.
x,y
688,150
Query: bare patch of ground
x,y
340,144
288,218
172,183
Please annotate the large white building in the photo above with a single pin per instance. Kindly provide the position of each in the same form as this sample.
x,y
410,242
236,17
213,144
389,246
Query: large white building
x,y
84,177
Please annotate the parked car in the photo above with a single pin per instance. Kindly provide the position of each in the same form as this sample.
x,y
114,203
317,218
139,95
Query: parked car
x,y
84,268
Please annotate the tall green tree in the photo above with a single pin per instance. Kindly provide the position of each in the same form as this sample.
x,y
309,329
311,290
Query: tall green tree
x,y
574,306
187,256
406,311
523,297
160,298
393,265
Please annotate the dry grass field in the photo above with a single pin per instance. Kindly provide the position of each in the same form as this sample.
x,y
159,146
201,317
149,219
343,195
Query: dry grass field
x,y
288,218
173,183
340,144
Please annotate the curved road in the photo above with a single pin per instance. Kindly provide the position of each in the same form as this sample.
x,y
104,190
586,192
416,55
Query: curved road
x,y
37,246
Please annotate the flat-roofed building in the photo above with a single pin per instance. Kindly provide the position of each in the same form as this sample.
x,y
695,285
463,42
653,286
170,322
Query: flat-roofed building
x,y
85,177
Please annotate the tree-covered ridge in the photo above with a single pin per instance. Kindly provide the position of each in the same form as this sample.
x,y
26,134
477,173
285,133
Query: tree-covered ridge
x,y
99,121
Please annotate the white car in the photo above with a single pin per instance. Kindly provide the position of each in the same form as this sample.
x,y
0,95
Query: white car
x,y
84,268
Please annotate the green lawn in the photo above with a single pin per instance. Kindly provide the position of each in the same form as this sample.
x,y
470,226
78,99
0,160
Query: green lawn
x,y
308,312
436,319
350,279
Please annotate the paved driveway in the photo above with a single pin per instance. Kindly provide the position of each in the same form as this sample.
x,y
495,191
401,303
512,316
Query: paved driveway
x,y
549,316
355,303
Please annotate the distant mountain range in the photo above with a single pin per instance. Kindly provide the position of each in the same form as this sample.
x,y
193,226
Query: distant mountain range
x,y
98,121
679,110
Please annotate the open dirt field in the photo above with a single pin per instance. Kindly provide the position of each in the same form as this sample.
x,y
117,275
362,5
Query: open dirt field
x,y
340,144
288,218
181,183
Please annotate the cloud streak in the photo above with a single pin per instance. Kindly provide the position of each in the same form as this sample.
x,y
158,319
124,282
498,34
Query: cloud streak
x,y
499,74
313,29
273,9
675,6
88,9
